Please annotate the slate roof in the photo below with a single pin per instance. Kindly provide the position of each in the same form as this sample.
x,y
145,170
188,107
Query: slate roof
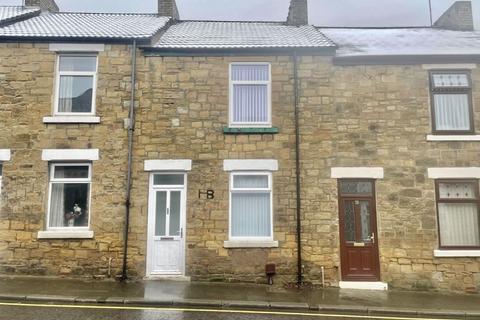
x,y
12,13
227,35
87,25
403,41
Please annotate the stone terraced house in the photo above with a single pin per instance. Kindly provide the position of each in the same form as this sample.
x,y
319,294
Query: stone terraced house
x,y
142,145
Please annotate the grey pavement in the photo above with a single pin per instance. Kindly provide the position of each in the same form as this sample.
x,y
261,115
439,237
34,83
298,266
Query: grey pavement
x,y
226,295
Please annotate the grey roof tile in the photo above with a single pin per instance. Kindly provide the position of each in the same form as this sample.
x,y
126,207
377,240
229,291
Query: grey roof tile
x,y
87,25
224,35
12,13
403,41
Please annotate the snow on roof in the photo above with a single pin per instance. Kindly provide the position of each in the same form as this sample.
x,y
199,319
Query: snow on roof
x,y
224,35
87,25
403,41
11,13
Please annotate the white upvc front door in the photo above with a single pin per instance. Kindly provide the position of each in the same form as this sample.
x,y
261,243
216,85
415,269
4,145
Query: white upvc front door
x,y
166,224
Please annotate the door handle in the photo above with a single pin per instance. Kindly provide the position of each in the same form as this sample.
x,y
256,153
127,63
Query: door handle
x,y
181,232
372,237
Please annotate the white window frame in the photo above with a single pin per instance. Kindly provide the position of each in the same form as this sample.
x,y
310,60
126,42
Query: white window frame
x,y
75,73
267,124
250,190
68,180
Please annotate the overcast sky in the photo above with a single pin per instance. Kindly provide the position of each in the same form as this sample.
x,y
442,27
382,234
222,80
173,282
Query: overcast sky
x,y
322,12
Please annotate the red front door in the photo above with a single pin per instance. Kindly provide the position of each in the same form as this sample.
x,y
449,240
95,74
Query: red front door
x,y
358,231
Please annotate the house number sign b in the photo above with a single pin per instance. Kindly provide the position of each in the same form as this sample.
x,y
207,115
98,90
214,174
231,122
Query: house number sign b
x,y
206,194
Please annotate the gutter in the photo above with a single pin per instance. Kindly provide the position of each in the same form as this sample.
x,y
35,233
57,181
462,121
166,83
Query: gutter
x,y
131,130
414,59
297,171
246,51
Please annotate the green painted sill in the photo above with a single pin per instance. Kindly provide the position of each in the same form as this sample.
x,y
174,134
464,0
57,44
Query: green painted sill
x,y
272,130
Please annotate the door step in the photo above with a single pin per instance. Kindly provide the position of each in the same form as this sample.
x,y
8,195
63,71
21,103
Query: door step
x,y
167,277
363,285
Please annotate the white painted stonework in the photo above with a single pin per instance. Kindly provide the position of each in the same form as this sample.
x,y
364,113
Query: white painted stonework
x,y
363,285
71,119
74,234
250,244
168,165
456,253
449,66
70,154
250,165
5,154
76,47
432,137
454,173
357,172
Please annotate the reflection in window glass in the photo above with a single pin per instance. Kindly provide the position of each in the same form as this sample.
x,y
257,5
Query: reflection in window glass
x,y
356,187
168,179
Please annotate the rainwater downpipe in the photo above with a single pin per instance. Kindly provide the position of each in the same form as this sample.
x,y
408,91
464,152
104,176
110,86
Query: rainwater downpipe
x,y
131,129
297,172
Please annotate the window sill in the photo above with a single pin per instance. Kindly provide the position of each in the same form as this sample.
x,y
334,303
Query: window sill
x,y
468,137
272,130
249,244
456,253
80,234
71,119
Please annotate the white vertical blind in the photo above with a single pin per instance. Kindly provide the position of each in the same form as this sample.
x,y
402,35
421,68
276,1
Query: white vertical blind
x,y
250,72
250,181
459,224
452,112
250,103
251,215
251,212
250,93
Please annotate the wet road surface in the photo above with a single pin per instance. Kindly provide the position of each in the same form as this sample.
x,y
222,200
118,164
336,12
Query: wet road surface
x,y
75,312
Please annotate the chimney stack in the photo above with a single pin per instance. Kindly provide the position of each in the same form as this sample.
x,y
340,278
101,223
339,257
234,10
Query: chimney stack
x,y
44,5
298,13
168,8
458,17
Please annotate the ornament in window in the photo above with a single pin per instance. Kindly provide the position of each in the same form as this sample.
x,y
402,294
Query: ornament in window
x,y
70,217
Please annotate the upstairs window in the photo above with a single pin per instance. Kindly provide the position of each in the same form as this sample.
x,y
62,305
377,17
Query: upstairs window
x,y
69,201
451,96
76,84
250,95
458,213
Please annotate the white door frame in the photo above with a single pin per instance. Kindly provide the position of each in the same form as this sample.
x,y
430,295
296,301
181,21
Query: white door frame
x,y
151,221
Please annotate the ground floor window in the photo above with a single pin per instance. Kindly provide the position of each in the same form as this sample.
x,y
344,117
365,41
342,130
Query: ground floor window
x,y
69,195
458,213
251,205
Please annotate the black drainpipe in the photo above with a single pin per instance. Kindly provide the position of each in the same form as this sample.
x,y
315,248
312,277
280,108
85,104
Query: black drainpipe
x,y
131,129
297,171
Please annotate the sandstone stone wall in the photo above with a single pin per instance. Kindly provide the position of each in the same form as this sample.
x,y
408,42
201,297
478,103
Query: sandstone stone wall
x,y
26,96
380,116
350,116
184,108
